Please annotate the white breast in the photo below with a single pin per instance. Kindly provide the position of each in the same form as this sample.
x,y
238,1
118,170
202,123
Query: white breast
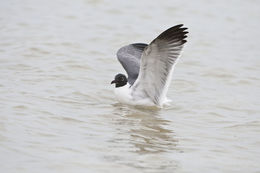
x,y
123,94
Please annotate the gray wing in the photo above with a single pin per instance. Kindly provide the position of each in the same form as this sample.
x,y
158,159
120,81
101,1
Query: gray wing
x,y
157,64
129,56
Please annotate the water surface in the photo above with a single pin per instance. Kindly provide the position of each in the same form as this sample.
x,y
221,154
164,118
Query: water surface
x,y
57,108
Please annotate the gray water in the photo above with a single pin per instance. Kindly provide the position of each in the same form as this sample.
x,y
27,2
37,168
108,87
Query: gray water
x,y
58,112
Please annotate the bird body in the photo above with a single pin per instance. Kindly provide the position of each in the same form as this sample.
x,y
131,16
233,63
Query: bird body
x,y
149,68
123,95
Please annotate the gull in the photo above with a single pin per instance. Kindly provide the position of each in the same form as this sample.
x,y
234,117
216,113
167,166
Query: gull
x,y
149,68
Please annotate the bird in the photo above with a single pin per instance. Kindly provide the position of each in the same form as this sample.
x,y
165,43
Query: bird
x,y
149,68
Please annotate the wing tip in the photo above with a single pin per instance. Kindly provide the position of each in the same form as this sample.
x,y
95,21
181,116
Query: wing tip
x,y
177,33
139,46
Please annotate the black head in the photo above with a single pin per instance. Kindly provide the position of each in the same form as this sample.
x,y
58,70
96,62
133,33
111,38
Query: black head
x,y
120,80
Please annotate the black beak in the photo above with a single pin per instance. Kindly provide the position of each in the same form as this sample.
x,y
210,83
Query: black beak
x,y
113,82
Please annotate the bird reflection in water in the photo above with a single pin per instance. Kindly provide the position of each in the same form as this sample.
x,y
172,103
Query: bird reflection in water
x,y
142,139
151,136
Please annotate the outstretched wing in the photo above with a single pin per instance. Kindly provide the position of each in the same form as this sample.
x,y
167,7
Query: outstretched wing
x,y
157,64
129,56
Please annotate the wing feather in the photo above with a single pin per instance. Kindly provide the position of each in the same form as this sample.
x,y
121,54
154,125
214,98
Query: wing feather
x,y
129,56
157,62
